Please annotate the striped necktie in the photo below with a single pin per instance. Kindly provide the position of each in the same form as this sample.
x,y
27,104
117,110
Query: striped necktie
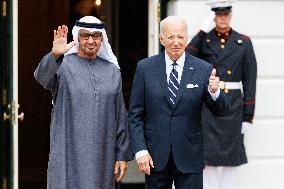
x,y
173,84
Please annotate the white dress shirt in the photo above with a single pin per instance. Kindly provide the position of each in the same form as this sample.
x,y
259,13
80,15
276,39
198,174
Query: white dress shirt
x,y
179,66
179,69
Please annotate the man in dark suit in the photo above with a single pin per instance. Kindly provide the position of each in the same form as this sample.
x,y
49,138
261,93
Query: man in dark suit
x,y
232,54
167,97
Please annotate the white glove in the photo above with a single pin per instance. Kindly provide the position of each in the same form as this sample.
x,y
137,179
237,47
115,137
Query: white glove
x,y
245,127
208,23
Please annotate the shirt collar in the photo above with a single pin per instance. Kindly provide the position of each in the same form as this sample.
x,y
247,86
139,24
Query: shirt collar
x,y
179,61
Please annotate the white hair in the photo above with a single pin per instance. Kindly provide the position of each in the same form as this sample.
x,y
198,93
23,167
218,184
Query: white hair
x,y
105,51
169,20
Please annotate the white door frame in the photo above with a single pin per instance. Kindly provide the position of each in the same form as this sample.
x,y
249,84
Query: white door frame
x,y
15,97
153,27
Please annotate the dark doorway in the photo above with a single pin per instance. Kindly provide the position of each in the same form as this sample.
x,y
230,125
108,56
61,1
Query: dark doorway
x,y
133,37
127,28
37,19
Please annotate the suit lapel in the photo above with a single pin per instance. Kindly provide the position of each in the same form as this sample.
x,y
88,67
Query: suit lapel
x,y
187,74
160,70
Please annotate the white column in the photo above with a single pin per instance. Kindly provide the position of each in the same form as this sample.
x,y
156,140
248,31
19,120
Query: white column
x,y
153,27
15,95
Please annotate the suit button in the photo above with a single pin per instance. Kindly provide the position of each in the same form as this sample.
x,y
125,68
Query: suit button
x,y
229,72
222,46
226,91
222,40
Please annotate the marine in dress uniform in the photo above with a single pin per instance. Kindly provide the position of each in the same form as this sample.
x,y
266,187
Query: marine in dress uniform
x,y
232,54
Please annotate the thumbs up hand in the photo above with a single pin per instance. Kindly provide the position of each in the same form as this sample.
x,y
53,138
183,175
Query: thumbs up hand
x,y
213,82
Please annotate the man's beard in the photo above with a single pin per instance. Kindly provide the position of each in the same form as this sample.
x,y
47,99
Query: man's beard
x,y
89,52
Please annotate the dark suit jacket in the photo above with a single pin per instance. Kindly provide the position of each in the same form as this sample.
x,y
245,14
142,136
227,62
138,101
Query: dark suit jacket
x,y
160,127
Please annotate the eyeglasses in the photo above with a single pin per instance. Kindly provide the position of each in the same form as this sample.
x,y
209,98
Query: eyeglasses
x,y
86,36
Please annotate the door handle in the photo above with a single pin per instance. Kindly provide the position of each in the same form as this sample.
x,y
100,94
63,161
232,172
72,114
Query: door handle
x,y
21,116
8,117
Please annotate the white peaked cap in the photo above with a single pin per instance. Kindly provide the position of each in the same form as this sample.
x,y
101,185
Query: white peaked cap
x,y
220,3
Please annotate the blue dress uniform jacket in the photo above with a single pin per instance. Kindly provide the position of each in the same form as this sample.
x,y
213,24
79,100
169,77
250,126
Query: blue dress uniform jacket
x,y
160,127
234,62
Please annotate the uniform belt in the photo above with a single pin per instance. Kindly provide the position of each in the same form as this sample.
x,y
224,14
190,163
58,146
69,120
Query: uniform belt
x,y
231,85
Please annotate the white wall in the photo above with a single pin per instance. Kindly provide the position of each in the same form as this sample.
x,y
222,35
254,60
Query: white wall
x,y
263,22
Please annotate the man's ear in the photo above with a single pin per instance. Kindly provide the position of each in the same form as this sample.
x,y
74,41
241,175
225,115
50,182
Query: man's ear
x,y
231,15
162,40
